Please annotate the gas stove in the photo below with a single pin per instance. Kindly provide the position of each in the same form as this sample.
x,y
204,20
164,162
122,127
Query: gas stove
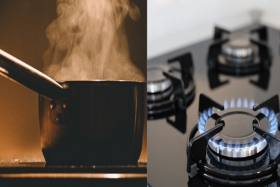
x,y
226,131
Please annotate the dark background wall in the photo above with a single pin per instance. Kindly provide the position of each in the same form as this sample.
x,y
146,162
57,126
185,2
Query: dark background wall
x,y
22,34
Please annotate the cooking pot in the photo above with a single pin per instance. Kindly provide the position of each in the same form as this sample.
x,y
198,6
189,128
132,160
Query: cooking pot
x,y
84,122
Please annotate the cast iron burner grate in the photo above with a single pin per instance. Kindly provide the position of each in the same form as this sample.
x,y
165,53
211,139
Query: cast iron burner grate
x,y
238,54
251,157
170,90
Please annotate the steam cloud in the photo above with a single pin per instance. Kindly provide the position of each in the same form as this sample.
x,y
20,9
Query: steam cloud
x,y
88,41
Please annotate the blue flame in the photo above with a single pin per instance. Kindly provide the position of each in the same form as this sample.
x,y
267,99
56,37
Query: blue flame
x,y
270,114
245,103
221,145
225,104
203,117
210,112
239,102
229,146
237,147
252,103
265,111
245,146
232,103
216,145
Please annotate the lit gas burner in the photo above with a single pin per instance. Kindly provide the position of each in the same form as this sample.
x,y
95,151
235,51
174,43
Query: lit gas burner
x,y
170,89
239,54
232,141
237,143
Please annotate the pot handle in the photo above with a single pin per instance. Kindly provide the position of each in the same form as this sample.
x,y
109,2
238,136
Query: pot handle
x,y
20,72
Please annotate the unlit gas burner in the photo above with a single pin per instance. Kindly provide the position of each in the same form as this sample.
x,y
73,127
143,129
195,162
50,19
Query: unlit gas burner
x,y
237,144
159,87
170,88
238,54
239,49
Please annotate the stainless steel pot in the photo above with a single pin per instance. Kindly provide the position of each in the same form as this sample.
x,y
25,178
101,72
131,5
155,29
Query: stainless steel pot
x,y
84,122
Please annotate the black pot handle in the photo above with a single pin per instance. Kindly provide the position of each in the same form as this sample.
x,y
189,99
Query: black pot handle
x,y
20,72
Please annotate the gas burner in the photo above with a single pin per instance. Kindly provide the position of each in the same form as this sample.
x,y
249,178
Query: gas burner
x,y
170,90
240,115
239,49
159,87
238,54
237,142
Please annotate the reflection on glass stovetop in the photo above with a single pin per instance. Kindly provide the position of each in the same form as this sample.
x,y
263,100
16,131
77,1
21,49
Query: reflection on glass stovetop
x,y
167,145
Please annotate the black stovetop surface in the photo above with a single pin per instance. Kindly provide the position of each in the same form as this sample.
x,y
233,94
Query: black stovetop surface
x,y
167,146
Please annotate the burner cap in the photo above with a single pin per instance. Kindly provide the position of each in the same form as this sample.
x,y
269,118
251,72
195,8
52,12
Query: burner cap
x,y
236,121
237,165
156,81
238,139
239,48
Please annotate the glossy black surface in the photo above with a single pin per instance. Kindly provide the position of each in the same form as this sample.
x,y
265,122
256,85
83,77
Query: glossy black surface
x,y
167,146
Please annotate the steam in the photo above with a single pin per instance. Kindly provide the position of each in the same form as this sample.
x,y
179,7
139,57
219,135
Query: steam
x,y
88,41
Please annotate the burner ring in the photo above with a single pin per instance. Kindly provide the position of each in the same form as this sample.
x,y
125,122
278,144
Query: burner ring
x,y
246,143
238,145
238,69
160,96
165,108
156,81
239,48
